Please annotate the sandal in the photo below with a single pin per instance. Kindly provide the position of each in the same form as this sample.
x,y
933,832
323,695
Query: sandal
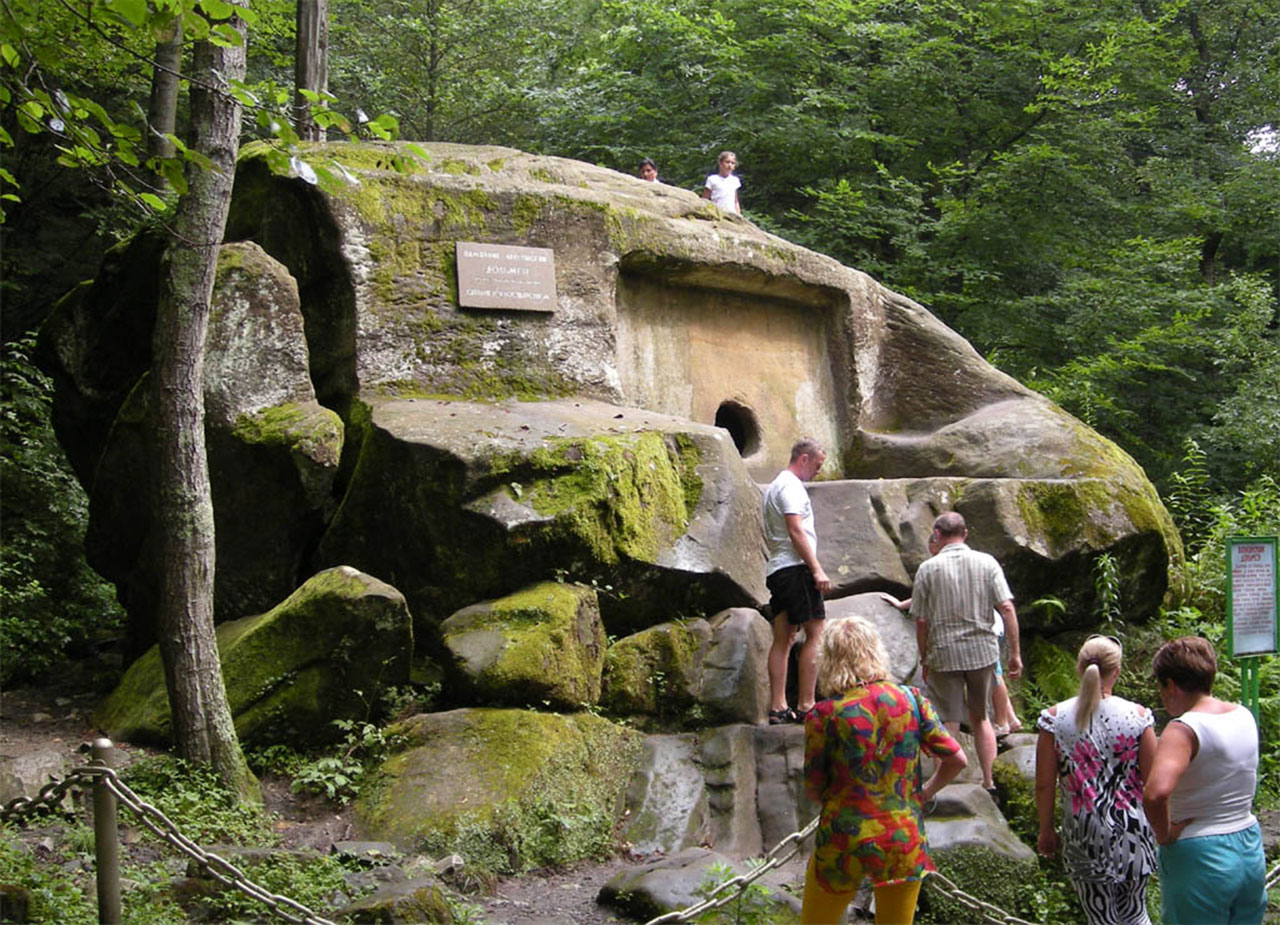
x,y
782,717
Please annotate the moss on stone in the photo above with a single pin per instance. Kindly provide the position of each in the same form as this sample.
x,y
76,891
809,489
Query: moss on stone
x,y
552,649
623,496
496,164
542,175
526,211
994,878
288,672
510,790
653,672
458,167
312,431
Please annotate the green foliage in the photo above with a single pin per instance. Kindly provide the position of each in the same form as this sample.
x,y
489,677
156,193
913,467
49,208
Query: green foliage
x,y
313,882
1014,886
55,897
193,797
1106,587
751,905
338,777
1202,611
51,602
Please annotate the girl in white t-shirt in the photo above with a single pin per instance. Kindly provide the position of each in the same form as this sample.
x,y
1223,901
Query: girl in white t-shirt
x,y
722,188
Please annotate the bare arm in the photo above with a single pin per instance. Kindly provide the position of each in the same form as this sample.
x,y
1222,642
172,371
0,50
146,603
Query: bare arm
x,y
800,543
1146,753
1172,758
1046,791
706,192
1010,617
922,644
944,773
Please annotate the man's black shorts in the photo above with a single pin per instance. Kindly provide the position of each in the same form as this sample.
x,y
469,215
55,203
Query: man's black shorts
x,y
792,590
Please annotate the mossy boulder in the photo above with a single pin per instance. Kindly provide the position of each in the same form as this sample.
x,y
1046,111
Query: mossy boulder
x,y
692,673
656,672
272,449
657,512
422,901
611,438
509,790
544,645
1046,533
328,652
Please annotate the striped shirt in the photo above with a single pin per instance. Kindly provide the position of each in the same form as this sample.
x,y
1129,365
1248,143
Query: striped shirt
x,y
955,592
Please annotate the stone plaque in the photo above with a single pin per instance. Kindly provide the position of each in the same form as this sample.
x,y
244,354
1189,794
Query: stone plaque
x,y
504,276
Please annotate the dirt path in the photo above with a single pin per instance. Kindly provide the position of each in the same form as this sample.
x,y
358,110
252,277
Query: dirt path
x,y
57,716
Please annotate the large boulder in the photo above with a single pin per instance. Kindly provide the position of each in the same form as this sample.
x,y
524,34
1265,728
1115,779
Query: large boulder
x,y
506,789
273,451
1047,534
696,671
487,449
657,512
543,646
328,652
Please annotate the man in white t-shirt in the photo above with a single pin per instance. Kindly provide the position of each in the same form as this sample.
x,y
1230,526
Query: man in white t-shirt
x,y
795,580
722,188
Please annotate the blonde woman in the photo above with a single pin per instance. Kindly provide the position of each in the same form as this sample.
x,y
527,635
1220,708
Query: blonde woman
x,y
862,765
1098,749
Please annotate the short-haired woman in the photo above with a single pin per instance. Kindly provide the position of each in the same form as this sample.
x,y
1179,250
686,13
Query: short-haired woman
x,y
1098,748
1199,796
862,765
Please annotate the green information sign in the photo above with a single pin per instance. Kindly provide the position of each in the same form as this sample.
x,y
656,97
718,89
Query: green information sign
x,y
1253,602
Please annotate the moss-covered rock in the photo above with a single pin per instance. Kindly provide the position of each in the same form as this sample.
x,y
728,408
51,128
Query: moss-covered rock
x,y
991,877
657,672
657,512
540,646
509,790
328,652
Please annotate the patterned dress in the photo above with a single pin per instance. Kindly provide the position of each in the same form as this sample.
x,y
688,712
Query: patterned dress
x,y
1105,833
862,764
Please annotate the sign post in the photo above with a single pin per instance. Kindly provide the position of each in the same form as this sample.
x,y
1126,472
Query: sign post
x,y
1253,600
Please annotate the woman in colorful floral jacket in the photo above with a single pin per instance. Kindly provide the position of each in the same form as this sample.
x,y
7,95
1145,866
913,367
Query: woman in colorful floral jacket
x,y
1099,749
862,764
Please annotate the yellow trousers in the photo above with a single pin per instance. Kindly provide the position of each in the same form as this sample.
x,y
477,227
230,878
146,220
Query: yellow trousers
x,y
895,903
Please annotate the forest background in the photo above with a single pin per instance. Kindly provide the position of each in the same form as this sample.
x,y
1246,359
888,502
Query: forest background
x,y
1090,193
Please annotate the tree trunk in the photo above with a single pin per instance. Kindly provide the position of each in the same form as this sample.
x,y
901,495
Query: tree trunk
x,y
311,64
163,106
202,727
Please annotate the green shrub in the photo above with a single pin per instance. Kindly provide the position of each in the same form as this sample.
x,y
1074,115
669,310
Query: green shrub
x,y
50,600
193,798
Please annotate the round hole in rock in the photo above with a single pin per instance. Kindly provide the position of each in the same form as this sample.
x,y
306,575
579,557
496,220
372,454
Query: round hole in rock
x,y
740,422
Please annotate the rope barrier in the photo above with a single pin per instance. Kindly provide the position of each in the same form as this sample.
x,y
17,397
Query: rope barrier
x,y
989,912
50,797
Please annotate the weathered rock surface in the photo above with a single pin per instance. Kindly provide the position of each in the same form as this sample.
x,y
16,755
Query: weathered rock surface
x,y
694,671
273,451
667,884
506,789
489,497
541,646
664,307
22,774
897,630
325,653
1046,533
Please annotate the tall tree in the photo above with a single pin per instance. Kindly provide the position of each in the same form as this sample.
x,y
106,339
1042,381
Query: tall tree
x,y
311,66
183,519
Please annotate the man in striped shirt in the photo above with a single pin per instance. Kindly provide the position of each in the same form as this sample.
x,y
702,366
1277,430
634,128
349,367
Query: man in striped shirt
x,y
951,599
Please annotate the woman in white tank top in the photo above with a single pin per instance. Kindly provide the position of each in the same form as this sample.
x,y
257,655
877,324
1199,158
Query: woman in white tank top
x,y
1199,796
